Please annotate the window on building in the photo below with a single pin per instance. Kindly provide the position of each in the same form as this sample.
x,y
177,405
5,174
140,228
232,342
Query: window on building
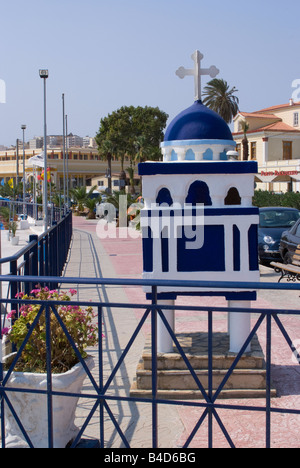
x,y
287,150
253,150
296,119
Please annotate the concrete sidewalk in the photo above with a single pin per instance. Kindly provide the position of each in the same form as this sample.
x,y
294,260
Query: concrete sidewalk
x,y
122,258
93,258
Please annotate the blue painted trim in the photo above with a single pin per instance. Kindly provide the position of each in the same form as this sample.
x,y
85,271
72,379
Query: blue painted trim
x,y
252,210
208,211
175,143
197,167
229,296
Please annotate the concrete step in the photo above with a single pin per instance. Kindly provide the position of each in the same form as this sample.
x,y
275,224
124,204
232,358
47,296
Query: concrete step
x,y
248,380
174,361
183,380
195,347
197,395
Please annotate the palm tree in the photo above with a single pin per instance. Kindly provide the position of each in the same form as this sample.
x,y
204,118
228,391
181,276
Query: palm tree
x,y
130,171
80,196
221,99
106,151
245,128
90,204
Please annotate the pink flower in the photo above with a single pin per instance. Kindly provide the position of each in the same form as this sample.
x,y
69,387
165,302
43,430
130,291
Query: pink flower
x,y
19,295
73,292
5,331
11,314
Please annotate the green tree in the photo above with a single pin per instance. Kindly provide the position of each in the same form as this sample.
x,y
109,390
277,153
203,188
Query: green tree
x,y
121,133
221,99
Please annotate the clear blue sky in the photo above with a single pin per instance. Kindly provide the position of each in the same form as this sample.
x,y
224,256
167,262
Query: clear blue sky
x,y
107,53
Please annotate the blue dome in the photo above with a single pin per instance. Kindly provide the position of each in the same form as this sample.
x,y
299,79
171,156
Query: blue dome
x,y
198,122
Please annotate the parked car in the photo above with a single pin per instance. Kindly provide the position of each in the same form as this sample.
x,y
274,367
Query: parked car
x,y
289,241
273,221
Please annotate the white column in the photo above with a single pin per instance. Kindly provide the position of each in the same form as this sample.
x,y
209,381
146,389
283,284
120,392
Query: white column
x,y
164,340
239,326
229,248
180,153
265,150
244,247
167,153
198,155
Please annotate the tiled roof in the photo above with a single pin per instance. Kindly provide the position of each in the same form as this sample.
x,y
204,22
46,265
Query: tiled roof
x,y
273,127
258,115
280,106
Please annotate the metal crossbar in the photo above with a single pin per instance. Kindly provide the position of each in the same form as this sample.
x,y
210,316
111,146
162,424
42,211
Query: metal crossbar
x,y
100,396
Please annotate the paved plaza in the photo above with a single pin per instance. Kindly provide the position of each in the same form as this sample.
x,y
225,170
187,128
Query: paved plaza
x,y
122,258
91,257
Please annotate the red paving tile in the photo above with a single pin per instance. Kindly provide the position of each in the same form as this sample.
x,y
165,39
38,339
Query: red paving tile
x,y
246,428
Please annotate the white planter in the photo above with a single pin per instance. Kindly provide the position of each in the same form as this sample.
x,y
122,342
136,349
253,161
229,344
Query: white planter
x,y
32,410
15,240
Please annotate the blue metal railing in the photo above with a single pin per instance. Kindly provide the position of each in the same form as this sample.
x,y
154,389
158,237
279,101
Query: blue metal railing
x,y
100,395
44,255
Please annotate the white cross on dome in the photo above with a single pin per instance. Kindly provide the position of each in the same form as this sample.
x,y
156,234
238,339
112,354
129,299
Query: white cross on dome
x,y
197,72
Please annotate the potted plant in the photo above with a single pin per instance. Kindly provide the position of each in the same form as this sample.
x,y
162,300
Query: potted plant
x,y
30,370
13,226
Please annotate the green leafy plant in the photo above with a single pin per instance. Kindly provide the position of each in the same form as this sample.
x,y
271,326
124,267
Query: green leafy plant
x,y
266,198
90,204
13,226
78,321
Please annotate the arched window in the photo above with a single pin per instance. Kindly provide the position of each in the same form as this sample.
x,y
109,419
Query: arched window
x,y
164,196
199,193
233,197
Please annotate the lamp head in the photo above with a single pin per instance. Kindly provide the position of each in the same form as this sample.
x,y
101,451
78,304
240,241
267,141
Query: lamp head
x,y
44,73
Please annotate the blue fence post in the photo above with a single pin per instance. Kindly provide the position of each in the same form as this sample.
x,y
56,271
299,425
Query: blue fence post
x,y
31,260
14,285
154,366
41,257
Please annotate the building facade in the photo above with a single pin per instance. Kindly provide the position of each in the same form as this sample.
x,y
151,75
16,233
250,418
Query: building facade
x,y
274,142
82,164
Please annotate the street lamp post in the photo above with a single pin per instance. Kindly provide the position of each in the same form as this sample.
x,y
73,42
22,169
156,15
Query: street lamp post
x,y
64,153
23,127
67,163
44,75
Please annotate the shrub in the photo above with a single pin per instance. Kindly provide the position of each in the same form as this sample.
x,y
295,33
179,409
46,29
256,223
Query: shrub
x,y
78,321
265,198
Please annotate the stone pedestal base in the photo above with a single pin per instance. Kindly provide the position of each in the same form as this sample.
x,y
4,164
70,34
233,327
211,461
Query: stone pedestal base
x,y
248,380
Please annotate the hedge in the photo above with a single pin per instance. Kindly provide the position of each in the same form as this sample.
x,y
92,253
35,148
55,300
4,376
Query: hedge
x,y
265,198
